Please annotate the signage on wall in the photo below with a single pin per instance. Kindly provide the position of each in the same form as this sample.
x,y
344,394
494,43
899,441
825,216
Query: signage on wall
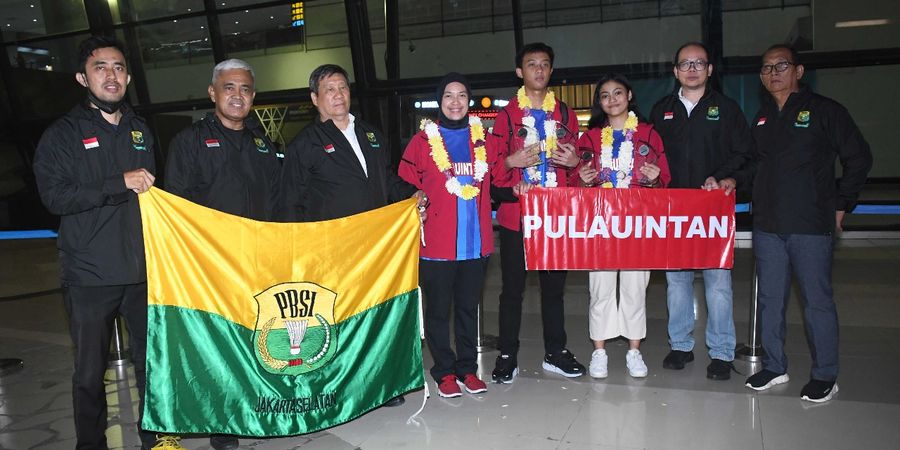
x,y
298,18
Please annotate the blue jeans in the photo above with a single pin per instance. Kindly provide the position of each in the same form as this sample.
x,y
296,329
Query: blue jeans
x,y
809,257
720,319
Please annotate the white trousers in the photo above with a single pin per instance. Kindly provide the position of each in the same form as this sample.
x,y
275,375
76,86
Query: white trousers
x,y
629,318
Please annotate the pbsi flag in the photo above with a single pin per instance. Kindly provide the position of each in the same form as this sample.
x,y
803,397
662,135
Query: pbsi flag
x,y
274,329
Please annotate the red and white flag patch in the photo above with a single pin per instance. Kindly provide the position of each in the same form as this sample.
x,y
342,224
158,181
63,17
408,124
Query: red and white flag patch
x,y
668,115
329,148
212,143
91,142
761,121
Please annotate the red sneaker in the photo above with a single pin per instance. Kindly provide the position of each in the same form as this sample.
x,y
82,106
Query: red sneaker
x,y
448,388
472,384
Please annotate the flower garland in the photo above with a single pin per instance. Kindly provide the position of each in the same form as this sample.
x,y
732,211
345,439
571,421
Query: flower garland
x,y
622,165
442,159
548,105
549,144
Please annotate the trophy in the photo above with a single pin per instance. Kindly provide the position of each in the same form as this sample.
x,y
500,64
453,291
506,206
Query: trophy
x,y
645,154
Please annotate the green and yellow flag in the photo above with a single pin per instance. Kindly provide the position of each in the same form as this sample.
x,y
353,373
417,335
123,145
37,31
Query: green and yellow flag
x,y
272,329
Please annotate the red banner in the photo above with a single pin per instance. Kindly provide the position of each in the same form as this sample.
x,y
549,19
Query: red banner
x,y
598,229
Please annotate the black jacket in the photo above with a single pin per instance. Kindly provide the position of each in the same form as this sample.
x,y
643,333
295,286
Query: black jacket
x,y
79,166
323,179
713,141
234,172
794,185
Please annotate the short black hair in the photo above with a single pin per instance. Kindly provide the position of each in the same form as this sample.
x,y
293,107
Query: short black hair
x,y
692,44
87,47
534,47
795,57
322,72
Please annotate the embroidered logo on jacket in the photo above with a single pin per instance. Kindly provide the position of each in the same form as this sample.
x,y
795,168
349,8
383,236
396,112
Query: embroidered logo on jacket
x,y
261,145
668,115
371,137
137,141
329,148
712,113
90,142
802,119
210,143
761,121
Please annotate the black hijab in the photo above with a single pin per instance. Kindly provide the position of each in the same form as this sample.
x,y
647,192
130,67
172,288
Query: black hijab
x,y
445,121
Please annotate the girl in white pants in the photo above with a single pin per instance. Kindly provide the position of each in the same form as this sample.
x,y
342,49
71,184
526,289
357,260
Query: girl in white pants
x,y
619,151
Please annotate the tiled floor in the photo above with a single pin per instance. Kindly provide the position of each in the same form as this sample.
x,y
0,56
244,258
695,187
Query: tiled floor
x,y
667,410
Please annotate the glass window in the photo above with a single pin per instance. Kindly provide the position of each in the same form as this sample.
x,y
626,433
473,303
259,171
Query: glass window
x,y
51,55
134,10
31,19
282,54
233,3
326,25
46,85
259,31
177,50
870,95
748,32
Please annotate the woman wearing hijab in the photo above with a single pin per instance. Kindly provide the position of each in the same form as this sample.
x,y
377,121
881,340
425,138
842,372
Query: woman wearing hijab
x,y
451,161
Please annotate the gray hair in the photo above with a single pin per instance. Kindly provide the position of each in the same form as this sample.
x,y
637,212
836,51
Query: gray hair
x,y
322,72
230,64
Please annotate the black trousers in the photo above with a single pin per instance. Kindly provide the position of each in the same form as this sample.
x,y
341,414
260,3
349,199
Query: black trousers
x,y
457,285
553,283
92,311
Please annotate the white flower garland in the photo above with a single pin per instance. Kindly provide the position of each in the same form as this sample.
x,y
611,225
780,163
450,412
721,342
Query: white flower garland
x,y
442,158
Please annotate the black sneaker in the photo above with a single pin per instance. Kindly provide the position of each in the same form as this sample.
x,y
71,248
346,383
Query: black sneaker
x,y
719,369
676,359
505,369
818,391
765,379
563,363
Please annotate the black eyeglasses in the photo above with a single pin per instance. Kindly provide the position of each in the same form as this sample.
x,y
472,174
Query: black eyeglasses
x,y
777,67
684,66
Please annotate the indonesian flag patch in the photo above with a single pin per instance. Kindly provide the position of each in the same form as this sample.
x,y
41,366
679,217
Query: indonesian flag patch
x,y
329,148
761,122
90,143
210,143
668,115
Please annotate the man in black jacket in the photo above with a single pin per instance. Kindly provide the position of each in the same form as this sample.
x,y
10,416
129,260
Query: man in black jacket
x,y
90,166
707,140
226,162
339,165
797,209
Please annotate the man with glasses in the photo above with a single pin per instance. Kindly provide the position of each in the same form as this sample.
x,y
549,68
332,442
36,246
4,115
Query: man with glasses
x,y
707,140
523,126
797,211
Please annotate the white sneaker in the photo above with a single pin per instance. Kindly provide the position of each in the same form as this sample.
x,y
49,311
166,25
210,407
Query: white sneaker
x,y
598,363
635,363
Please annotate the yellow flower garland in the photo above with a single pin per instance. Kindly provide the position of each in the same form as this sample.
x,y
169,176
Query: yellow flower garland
x,y
548,105
442,159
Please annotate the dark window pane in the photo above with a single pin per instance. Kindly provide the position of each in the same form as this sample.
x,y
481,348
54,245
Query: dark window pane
x,y
132,10
31,19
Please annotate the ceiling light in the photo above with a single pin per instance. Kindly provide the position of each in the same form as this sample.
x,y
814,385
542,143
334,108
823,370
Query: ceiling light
x,y
861,23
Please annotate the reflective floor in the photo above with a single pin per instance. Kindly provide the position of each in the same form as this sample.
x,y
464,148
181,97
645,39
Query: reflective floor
x,y
667,410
